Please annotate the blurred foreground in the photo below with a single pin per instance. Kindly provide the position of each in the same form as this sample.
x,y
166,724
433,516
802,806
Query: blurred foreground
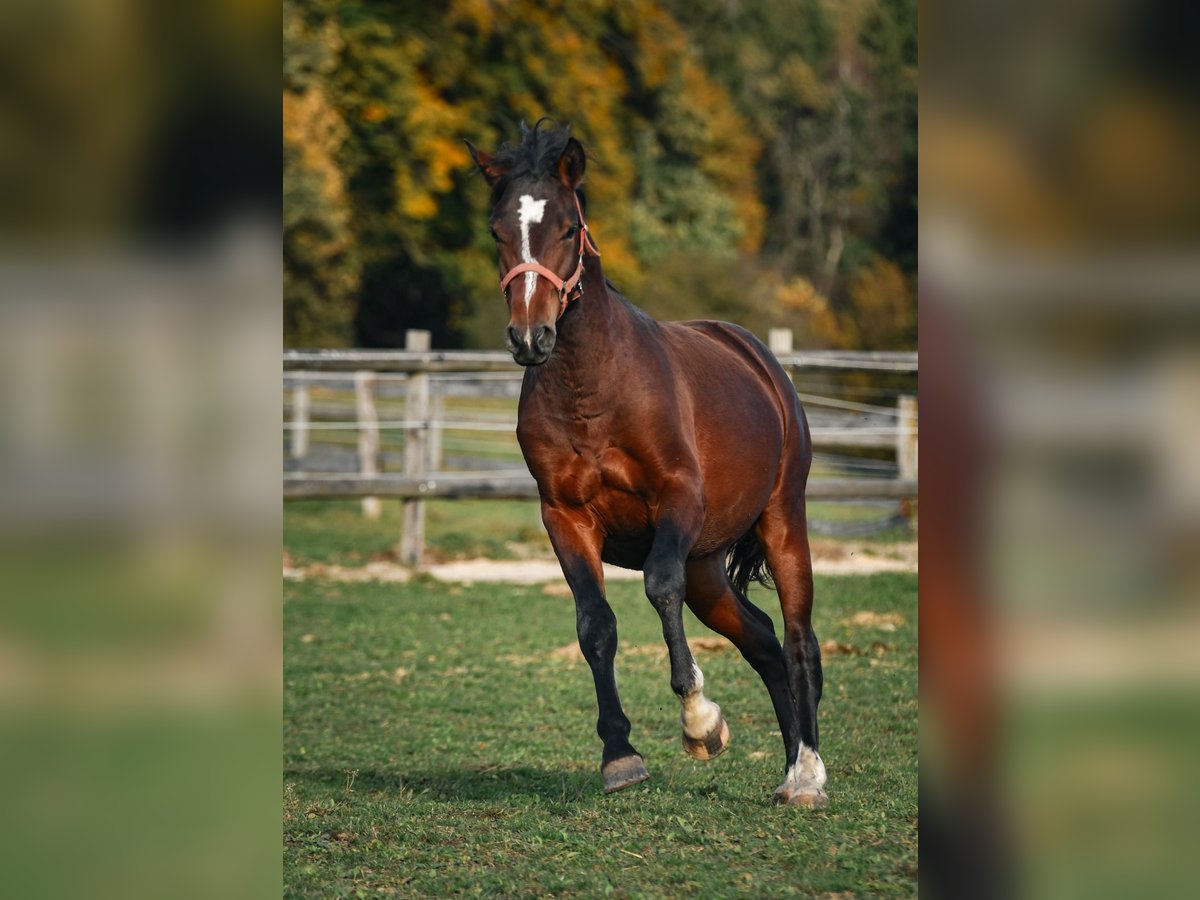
x,y
1060,401
139,463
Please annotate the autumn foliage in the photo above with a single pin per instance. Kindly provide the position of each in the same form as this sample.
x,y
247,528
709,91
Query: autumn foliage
x,y
750,161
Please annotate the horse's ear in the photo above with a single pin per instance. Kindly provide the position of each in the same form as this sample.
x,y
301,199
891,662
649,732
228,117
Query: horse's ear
x,y
572,163
487,164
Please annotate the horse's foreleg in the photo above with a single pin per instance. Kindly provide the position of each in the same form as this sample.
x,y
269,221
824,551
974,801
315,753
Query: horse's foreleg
x,y
705,734
577,544
784,533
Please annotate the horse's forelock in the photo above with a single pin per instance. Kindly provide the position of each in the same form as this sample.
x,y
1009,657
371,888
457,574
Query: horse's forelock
x,y
536,154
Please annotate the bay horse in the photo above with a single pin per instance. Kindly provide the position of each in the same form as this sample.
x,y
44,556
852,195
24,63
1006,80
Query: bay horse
x,y
676,448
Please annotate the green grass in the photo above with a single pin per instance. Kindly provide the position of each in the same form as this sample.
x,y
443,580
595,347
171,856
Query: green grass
x,y
846,511
432,745
335,531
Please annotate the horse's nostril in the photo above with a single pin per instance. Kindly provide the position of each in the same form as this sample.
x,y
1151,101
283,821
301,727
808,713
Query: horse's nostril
x,y
514,338
543,338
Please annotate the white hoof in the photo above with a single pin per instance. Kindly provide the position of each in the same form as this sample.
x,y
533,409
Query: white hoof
x,y
805,782
800,795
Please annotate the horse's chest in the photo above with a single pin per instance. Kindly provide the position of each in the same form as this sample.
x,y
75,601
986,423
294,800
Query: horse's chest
x,y
610,479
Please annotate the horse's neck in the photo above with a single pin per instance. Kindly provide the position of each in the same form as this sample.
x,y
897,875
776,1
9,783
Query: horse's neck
x,y
592,343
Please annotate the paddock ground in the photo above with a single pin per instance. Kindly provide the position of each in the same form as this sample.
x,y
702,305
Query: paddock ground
x,y
439,739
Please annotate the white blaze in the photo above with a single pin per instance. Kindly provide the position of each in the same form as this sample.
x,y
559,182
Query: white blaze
x,y
531,211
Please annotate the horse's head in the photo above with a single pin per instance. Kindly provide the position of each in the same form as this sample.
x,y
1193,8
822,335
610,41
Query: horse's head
x,y
537,222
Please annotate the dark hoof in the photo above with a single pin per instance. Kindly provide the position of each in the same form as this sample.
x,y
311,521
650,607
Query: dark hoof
x,y
711,746
621,773
808,795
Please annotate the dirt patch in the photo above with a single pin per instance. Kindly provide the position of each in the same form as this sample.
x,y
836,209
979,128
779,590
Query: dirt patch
x,y
572,653
385,572
829,558
878,621
837,648
862,557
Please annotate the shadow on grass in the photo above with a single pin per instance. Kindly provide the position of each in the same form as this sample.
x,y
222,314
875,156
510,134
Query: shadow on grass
x,y
484,784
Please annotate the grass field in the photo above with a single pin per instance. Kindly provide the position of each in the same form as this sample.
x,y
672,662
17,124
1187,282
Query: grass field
x,y
434,744
335,531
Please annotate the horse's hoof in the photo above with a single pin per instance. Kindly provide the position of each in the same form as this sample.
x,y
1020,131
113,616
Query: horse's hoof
x,y
809,795
710,746
621,773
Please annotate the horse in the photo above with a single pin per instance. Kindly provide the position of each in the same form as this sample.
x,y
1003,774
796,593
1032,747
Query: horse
x,y
679,449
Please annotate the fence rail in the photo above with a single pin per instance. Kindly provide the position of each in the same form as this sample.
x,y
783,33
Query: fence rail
x,y
520,486
500,361
424,378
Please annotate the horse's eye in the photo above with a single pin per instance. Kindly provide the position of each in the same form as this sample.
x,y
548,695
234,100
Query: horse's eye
x,y
570,233
495,237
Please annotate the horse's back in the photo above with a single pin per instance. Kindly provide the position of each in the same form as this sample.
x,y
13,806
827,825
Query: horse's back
x,y
744,345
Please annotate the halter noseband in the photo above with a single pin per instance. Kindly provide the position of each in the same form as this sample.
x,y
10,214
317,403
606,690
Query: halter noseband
x,y
570,289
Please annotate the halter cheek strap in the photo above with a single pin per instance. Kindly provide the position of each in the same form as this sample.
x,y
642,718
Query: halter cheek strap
x,y
570,289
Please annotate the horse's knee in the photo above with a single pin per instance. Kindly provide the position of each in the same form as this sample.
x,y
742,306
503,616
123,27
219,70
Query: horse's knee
x,y
666,584
801,642
597,631
803,658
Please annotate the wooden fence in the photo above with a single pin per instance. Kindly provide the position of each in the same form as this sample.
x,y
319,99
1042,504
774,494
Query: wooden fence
x,y
497,375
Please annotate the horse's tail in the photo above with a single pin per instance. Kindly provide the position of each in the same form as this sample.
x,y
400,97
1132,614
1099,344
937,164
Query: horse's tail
x,y
746,562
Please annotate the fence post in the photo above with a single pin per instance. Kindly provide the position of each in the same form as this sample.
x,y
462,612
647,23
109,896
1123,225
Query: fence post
x,y
780,340
435,433
299,420
416,453
368,437
906,436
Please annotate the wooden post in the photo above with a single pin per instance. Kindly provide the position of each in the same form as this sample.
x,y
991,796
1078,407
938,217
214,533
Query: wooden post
x,y
780,340
435,433
368,437
906,437
416,452
299,420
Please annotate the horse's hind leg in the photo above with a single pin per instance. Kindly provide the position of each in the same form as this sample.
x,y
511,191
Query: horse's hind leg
x,y
784,532
716,603
578,551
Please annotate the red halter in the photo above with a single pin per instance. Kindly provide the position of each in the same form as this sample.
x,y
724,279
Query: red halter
x,y
570,289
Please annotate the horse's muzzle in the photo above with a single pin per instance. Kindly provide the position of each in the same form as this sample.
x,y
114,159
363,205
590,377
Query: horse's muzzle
x,y
531,348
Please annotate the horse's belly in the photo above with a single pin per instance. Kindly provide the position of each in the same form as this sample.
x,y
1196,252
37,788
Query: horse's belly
x,y
628,528
628,551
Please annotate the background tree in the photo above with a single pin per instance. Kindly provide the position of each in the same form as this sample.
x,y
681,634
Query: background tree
x,y
320,252
745,156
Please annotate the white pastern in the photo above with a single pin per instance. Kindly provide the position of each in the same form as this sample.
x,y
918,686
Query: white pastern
x,y
530,212
699,715
808,768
